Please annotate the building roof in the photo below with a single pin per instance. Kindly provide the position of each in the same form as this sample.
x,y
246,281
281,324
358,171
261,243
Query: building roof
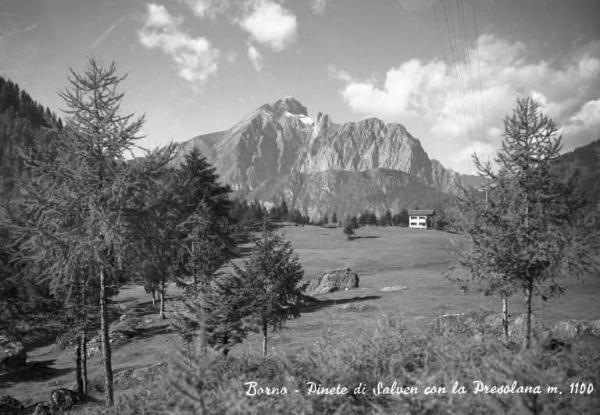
x,y
420,212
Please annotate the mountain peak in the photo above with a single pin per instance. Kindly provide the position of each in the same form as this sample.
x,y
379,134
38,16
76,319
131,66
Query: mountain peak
x,y
289,104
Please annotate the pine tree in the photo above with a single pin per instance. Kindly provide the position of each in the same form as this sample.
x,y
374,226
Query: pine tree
x,y
270,278
73,212
228,306
525,235
187,320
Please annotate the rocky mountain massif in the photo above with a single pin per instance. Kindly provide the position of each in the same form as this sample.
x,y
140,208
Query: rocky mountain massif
x,y
320,167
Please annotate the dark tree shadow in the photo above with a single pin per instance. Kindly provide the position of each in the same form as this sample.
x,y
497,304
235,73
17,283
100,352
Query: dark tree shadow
x,y
40,337
313,304
33,371
367,237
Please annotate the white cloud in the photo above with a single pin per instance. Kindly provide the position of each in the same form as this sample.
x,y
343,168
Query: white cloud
x,y
318,6
158,17
452,115
207,8
583,125
270,24
255,57
195,58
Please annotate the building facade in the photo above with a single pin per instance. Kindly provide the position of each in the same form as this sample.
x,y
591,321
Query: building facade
x,y
417,218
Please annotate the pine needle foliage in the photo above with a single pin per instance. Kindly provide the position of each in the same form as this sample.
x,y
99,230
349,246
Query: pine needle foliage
x,y
271,278
72,218
526,235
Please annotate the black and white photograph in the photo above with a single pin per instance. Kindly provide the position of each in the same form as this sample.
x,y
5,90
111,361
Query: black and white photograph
x,y
299,207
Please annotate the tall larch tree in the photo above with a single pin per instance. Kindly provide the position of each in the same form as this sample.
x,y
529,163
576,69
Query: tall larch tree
x,y
73,215
526,235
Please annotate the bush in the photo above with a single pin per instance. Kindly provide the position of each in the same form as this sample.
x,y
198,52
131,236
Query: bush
x,y
413,357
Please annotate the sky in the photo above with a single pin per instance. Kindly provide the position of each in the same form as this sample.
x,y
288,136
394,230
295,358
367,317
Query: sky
x,y
448,70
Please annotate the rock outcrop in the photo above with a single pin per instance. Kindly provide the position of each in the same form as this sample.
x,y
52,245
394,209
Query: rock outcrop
x,y
12,353
333,280
573,328
63,399
134,376
120,333
10,406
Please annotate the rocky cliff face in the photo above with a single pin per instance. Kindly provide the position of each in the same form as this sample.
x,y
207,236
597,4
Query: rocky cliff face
x,y
319,166
364,145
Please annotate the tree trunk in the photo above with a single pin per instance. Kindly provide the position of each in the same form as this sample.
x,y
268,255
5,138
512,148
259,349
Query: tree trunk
x,y
78,370
204,318
264,330
505,316
204,336
162,299
84,376
528,295
83,340
153,298
105,341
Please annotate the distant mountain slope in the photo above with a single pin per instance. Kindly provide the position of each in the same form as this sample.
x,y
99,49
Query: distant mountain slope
x,y
278,151
346,192
585,160
23,123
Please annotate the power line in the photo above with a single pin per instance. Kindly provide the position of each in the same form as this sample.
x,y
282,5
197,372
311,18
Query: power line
x,y
479,72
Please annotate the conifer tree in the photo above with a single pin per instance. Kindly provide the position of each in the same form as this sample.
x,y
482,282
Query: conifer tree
x,y
229,305
525,236
73,214
270,278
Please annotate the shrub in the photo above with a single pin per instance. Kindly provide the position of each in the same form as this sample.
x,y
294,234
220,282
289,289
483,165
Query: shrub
x,y
412,357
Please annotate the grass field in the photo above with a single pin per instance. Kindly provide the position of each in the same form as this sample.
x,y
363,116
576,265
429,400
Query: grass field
x,y
382,257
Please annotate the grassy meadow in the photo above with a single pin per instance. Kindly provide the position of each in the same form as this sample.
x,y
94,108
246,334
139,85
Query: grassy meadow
x,y
396,256
382,257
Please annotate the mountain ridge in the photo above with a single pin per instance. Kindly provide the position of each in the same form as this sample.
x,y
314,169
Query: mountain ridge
x,y
279,145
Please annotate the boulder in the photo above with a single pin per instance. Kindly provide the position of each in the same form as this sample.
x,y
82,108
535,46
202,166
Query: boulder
x,y
570,329
456,323
12,353
42,408
120,333
132,376
516,327
516,330
595,327
567,329
10,406
333,280
63,399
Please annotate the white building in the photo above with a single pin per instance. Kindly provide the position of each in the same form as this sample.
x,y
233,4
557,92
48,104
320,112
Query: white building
x,y
417,218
